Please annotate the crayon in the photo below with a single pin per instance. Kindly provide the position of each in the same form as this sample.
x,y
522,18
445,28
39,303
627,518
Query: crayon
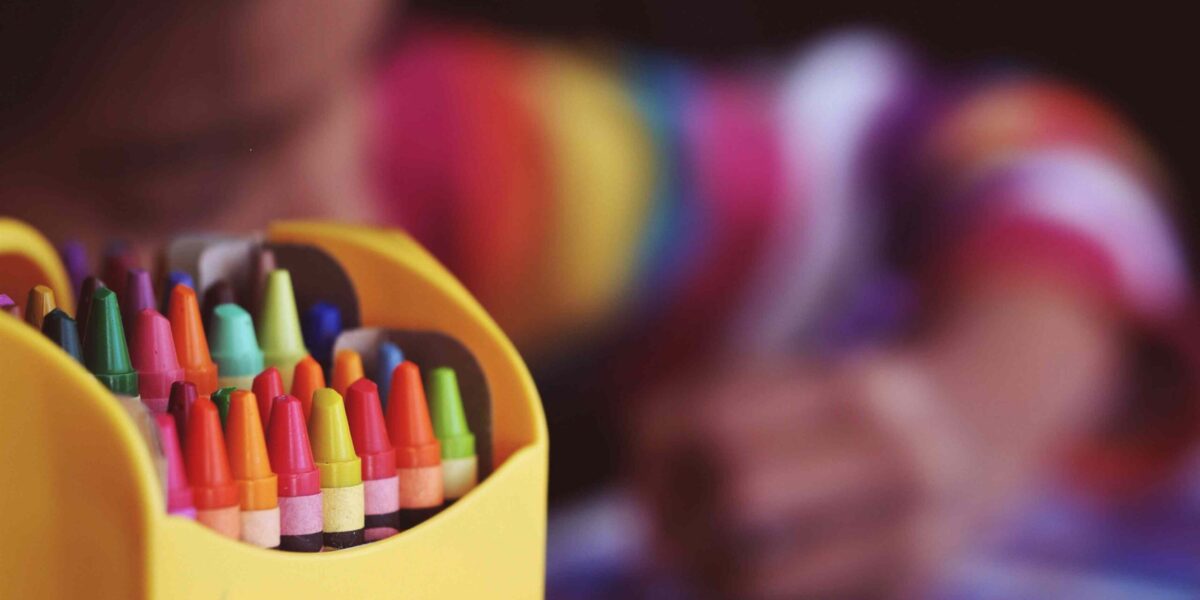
x,y
179,494
309,378
279,326
418,453
39,304
222,398
191,343
258,487
119,258
75,259
8,306
321,325
60,327
84,306
267,386
262,265
381,485
234,347
347,368
175,278
183,396
460,465
139,294
388,358
153,352
220,292
343,503
216,494
301,520
104,350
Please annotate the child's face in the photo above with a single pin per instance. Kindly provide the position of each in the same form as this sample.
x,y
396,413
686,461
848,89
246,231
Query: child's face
x,y
209,116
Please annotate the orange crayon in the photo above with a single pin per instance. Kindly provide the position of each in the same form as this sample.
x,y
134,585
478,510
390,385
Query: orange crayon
x,y
418,453
191,344
258,487
307,379
347,368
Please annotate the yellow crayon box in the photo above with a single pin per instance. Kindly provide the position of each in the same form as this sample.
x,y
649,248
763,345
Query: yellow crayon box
x,y
83,514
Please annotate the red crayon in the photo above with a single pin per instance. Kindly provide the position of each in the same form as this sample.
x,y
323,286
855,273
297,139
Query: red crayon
x,y
380,482
183,396
267,386
301,520
179,493
218,504
153,354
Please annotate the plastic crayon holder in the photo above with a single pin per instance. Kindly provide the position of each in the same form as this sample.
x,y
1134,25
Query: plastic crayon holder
x,y
91,518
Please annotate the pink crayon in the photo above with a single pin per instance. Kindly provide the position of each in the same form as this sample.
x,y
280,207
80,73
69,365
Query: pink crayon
x,y
179,493
153,354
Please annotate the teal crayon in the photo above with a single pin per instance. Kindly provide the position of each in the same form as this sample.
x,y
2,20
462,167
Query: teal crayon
x,y
60,327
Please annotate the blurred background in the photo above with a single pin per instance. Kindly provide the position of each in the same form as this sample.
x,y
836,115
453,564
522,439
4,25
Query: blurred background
x,y
853,301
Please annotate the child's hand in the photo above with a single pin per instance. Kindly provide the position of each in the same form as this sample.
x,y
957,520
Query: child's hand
x,y
782,483
788,481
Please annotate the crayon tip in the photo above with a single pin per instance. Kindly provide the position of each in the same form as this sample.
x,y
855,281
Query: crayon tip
x,y
220,292
221,398
207,462
7,305
248,453
333,449
39,304
449,418
347,368
267,386
61,328
183,396
119,258
263,264
104,350
139,294
309,378
408,421
191,344
75,259
389,356
321,325
153,352
233,343
86,291
179,492
289,449
279,325
368,430
175,278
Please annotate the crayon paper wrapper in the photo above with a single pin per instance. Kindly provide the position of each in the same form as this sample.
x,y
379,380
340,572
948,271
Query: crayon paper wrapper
x,y
300,515
382,495
225,521
460,476
261,527
421,487
344,508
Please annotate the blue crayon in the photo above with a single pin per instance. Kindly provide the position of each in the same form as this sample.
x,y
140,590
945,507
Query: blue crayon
x,y
321,325
75,259
389,356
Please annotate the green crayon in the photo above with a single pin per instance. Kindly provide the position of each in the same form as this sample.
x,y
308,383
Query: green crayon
x,y
104,351
460,465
